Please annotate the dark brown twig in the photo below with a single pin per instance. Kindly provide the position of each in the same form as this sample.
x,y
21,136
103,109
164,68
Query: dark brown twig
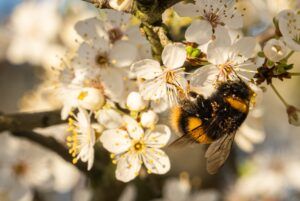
x,y
29,121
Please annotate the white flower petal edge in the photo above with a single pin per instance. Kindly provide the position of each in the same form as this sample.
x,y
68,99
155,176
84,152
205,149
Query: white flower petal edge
x,y
158,137
174,55
245,46
289,25
83,138
115,141
128,167
135,131
146,69
109,118
156,161
200,31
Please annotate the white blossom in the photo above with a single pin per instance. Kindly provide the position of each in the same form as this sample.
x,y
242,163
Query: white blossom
x,y
104,59
85,97
214,15
276,173
251,131
162,81
83,137
176,189
227,62
24,167
289,25
30,35
131,147
275,50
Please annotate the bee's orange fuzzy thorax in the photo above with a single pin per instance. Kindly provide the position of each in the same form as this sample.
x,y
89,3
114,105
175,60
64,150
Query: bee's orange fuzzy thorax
x,y
237,104
175,117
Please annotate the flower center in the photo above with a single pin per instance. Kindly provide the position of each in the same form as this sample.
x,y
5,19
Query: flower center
x,y
213,19
115,34
277,49
170,77
119,2
226,70
139,146
102,59
20,168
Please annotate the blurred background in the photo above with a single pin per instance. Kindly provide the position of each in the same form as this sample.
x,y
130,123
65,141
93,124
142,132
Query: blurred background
x,y
34,36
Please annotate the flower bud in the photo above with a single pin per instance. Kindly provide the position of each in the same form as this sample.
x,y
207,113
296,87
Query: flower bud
x,y
149,119
120,4
275,50
90,98
294,115
135,102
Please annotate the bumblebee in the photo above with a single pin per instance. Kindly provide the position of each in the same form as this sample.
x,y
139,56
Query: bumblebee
x,y
213,120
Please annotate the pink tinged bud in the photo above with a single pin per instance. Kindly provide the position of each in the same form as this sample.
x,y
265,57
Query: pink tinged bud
x,y
294,115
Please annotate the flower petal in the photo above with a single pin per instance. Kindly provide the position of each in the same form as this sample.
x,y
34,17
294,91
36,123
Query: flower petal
x,y
186,9
203,79
154,89
289,25
90,28
174,55
115,140
158,137
200,31
128,167
245,47
146,69
217,53
113,82
109,118
134,129
123,54
222,36
156,161
234,21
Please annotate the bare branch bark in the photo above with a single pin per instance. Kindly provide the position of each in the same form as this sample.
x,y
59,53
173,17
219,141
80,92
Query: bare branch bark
x,y
49,143
53,145
29,121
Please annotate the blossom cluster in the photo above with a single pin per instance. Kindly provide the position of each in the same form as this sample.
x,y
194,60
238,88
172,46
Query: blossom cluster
x,y
113,91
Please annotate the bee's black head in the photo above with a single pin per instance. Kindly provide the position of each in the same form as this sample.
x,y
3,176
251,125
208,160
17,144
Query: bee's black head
x,y
236,89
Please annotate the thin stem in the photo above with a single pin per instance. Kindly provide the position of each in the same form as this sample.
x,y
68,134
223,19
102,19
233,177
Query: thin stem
x,y
279,96
295,74
289,55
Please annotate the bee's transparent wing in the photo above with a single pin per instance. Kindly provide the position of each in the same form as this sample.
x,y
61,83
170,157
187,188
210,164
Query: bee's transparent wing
x,y
218,152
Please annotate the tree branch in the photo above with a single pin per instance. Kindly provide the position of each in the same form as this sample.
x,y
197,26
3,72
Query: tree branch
x,y
53,145
49,143
29,121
